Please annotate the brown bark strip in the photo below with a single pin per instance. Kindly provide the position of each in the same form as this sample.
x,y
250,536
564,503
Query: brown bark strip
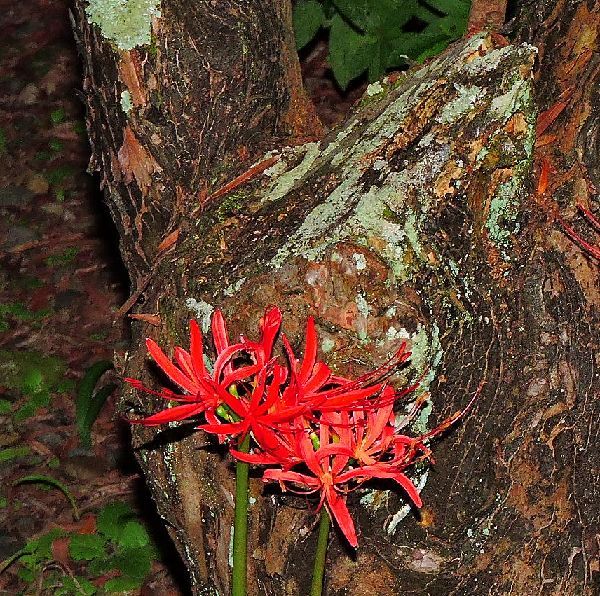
x,y
130,73
486,15
136,163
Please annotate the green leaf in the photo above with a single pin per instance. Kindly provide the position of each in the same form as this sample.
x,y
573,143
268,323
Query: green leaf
x,y
87,547
75,584
135,562
121,584
56,145
458,8
93,410
5,406
13,453
98,567
414,45
350,52
26,574
134,535
33,553
88,404
308,18
40,479
381,18
112,518
42,546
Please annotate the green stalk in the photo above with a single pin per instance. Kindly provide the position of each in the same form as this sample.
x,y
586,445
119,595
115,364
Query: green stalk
x,y
240,524
316,588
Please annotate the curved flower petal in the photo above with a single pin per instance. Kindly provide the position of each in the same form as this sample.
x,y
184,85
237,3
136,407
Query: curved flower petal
x,y
169,368
197,349
338,509
175,414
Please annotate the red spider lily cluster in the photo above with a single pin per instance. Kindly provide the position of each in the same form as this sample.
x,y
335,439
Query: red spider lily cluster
x,y
314,431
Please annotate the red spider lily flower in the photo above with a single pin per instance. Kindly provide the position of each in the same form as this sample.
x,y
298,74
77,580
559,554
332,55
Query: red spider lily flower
x,y
261,412
320,390
324,465
204,391
370,433
333,472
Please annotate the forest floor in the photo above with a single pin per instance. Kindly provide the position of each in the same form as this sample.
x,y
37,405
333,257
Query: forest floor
x,y
74,519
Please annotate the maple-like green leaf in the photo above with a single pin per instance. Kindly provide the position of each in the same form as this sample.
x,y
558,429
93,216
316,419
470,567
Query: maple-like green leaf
x,y
308,18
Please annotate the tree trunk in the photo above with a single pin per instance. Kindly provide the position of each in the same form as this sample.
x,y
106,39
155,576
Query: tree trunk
x,y
417,218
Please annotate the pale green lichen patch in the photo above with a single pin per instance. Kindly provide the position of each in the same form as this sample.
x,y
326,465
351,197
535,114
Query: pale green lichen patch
x,y
126,102
514,100
203,311
327,344
426,354
284,181
359,261
127,23
361,322
502,220
234,288
503,217
374,89
466,98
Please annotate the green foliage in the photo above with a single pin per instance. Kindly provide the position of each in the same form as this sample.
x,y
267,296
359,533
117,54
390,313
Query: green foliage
x,y
56,145
88,404
48,480
3,142
112,519
74,584
58,116
63,258
87,547
13,453
57,178
374,36
308,19
121,544
34,376
19,312
121,584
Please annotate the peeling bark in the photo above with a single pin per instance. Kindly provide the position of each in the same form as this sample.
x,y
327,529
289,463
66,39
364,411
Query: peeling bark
x,y
418,219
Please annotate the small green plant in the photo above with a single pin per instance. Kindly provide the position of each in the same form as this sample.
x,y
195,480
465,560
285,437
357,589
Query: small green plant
x,y
66,257
35,377
374,36
13,453
120,548
58,116
19,312
56,145
89,403
57,178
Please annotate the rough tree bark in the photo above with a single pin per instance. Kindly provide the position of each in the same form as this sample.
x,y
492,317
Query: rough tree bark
x,y
417,218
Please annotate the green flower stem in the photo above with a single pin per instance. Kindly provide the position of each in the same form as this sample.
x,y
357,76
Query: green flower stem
x,y
240,524
316,588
